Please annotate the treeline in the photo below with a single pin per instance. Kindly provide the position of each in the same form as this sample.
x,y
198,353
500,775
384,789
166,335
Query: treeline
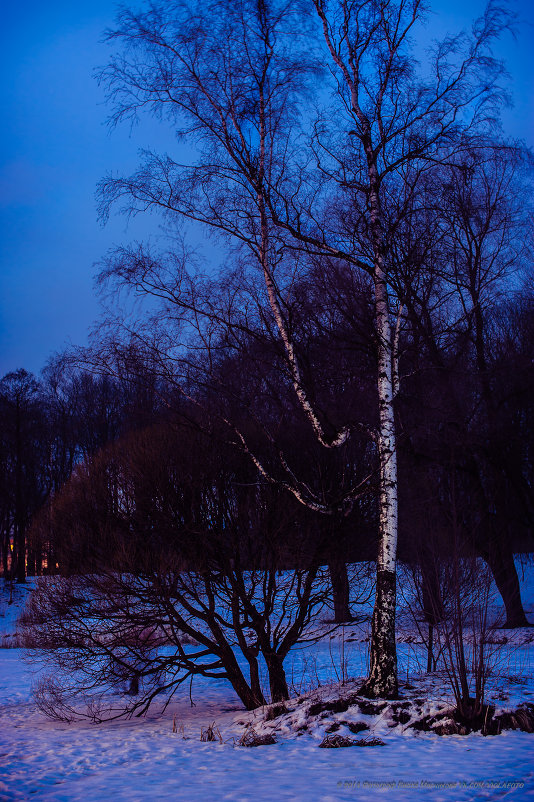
x,y
49,425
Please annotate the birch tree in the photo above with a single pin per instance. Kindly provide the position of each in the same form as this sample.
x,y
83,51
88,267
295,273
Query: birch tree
x,y
393,122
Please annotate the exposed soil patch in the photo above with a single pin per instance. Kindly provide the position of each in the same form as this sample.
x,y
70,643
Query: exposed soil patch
x,y
355,726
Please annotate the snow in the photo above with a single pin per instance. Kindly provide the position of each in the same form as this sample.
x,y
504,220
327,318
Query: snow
x,y
161,756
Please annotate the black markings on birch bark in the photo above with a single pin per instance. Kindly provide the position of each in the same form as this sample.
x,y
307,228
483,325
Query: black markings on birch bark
x,y
382,680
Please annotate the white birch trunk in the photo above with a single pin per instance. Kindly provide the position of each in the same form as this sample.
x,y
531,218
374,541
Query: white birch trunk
x,y
382,680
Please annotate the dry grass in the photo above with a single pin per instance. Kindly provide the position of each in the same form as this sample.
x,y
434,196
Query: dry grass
x,y
211,733
251,738
336,741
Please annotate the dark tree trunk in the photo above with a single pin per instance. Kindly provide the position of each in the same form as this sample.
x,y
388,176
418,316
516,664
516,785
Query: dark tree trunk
x,y
431,592
277,678
250,696
39,561
502,566
31,563
245,692
20,554
340,591
5,558
430,661
255,684
50,560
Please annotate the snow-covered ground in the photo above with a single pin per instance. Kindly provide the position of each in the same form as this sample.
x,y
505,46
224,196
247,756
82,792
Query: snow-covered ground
x,y
161,756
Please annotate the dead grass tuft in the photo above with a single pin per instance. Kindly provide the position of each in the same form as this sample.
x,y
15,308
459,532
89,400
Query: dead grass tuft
x,y
251,738
336,741
211,733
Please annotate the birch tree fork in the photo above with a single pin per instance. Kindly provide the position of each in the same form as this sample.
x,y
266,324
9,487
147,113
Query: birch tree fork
x,y
236,79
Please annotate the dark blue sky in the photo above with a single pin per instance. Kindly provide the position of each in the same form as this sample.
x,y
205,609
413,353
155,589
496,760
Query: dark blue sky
x,y
54,147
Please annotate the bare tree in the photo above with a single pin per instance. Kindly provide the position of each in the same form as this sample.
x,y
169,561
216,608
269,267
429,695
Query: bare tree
x,y
172,555
456,263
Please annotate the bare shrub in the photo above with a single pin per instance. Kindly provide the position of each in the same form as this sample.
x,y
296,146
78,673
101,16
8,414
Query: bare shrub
x,y
274,711
470,651
462,635
50,698
370,742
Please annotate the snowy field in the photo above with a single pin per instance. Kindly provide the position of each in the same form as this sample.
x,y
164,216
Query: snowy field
x,y
161,756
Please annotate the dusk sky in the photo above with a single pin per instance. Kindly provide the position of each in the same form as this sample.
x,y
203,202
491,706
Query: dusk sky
x,y
55,147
